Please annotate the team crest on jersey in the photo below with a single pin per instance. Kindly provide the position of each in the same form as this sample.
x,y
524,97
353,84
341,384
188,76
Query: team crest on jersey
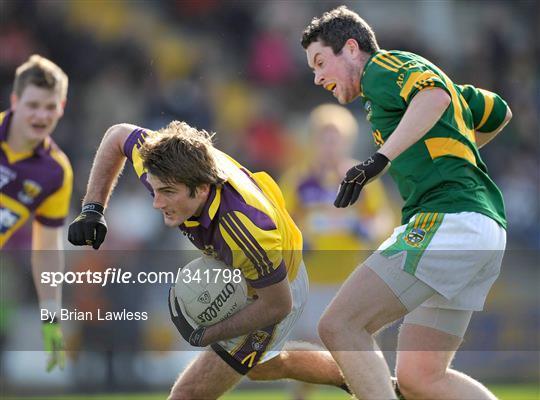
x,y
6,175
367,107
257,339
204,297
415,236
8,218
29,192
210,251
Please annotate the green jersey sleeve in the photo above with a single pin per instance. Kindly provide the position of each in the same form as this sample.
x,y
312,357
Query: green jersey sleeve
x,y
488,109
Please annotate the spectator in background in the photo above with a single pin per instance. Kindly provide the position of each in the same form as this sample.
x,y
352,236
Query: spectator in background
x,y
36,180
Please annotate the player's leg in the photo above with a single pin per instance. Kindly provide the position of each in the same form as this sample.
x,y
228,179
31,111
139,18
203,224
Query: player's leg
x,y
363,305
425,353
301,361
207,377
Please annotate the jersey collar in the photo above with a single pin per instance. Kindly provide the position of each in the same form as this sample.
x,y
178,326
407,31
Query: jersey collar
x,y
368,63
209,210
40,150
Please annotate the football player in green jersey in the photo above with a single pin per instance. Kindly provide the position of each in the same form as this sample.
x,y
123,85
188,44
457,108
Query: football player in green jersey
x,y
438,266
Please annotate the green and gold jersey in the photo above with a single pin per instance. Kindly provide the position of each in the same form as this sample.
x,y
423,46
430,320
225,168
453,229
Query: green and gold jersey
x,y
442,172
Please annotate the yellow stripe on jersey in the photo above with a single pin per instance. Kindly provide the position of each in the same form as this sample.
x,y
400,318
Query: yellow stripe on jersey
x,y
57,204
489,101
8,204
137,161
391,59
215,204
255,251
440,147
265,196
13,157
457,102
378,60
418,79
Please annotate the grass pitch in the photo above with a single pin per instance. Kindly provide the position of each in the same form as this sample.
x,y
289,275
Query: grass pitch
x,y
503,392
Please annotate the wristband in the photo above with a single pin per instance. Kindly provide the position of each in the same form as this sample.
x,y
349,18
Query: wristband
x,y
96,207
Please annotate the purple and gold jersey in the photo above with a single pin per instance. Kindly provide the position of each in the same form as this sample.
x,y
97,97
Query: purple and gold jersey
x,y
243,223
37,182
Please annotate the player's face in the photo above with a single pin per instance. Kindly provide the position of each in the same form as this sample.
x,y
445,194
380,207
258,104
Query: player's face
x,y
330,145
338,73
174,201
36,112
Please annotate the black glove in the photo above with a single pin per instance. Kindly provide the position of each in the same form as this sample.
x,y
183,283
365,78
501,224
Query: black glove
x,y
89,228
357,177
190,331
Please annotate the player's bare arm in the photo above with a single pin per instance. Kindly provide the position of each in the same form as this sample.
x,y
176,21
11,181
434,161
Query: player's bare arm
x,y
108,163
483,138
425,109
45,239
90,228
272,305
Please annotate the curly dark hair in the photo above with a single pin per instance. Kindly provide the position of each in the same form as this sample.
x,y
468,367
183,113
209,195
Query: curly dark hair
x,y
337,26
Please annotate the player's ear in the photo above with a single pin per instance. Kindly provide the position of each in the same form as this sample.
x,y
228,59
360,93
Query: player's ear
x,y
14,99
203,189
61,108
351,47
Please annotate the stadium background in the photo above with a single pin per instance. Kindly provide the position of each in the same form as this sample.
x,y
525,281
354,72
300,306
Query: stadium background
x,y
238,68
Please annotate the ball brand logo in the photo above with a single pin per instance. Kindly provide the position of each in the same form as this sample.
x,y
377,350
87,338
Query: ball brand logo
x,y
212,310
204,297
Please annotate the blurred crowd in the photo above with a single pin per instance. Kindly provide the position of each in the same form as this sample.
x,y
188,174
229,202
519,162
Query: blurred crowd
x,y
237,68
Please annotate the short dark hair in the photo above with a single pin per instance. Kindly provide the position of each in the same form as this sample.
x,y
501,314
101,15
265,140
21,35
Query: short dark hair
x,y
40,72
180,153
337,26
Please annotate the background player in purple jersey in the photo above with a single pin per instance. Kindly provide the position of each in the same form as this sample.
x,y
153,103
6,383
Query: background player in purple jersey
x,y
238,217
36,180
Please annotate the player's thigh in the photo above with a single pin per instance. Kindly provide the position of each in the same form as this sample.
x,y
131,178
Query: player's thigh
x,y
364,301
207,377
424,353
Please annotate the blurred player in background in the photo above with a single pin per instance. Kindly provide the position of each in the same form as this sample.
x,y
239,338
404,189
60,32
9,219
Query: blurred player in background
x,y
428,131
332,238
236,216
36,180
309,190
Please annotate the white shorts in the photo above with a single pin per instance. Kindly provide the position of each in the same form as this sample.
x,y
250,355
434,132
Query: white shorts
x,y
457,255
245,352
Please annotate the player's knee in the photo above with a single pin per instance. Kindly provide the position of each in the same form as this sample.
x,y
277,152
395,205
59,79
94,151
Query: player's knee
x,y
329,327
415,377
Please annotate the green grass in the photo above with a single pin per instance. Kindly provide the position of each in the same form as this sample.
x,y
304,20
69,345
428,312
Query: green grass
x,y
503,392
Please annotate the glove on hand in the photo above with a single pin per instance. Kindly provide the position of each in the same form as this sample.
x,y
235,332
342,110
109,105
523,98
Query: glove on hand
x,y
358,176
89,228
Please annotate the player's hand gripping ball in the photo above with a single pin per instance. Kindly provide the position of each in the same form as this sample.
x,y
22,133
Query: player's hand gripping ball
x,y
207,291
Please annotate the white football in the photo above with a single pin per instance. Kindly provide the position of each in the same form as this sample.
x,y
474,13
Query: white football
x,y
210,290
